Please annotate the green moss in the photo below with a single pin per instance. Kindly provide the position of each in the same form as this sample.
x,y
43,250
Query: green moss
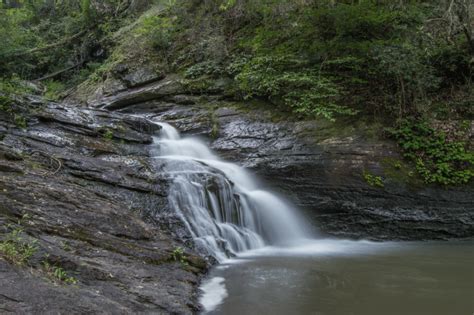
x,y
20,121
400,171
6,104
107,134
214,125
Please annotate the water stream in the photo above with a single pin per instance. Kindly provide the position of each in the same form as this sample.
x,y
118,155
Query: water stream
x,y
223,206
271,264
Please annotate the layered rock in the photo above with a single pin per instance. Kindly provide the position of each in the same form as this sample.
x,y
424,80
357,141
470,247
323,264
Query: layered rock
x,y
81,187
325,169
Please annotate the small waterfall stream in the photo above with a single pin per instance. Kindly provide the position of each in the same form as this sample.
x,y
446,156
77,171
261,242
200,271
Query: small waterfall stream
x,y
220,203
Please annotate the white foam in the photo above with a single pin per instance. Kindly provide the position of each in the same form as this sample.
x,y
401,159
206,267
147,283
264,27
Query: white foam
x,y
214,293
320,247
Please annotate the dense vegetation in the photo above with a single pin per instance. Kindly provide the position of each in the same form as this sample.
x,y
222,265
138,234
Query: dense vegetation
x,y
62,40
408,64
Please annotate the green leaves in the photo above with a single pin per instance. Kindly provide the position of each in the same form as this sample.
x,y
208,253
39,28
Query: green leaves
x,y
436,159
58,274
157,30
373,180
18,248
291,80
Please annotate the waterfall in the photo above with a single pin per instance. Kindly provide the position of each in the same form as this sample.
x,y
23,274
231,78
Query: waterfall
x,y
219,202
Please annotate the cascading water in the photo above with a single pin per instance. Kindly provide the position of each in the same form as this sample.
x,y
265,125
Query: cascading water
x,y
219,202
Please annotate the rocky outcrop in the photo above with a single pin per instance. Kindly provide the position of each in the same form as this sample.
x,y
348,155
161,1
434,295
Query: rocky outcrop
x,y
78,186
325,169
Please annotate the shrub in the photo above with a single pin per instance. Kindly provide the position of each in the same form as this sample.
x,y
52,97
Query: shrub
x,y
157,30
204,68
404,70
436,159
287,79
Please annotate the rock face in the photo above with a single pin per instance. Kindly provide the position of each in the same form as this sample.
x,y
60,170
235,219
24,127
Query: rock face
x,y
78,185
325,169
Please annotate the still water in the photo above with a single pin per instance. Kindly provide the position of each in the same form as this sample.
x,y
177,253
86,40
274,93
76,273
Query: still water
x,y
345,277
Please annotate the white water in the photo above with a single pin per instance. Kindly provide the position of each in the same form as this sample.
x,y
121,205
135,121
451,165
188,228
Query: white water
x,y
214,293
220,203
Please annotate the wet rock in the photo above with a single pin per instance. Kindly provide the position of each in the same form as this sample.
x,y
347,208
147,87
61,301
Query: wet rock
x,y
95,205
322,172
319,166
153,91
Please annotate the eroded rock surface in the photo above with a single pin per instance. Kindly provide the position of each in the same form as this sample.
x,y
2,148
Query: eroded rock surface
x,y
323,169
80,185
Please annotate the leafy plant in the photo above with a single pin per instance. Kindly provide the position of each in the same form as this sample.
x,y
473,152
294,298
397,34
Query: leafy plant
x,y
17,248
203,68
53,90
12,90
373,180
157,30
437,159
178,255
58,273
413,76
285,78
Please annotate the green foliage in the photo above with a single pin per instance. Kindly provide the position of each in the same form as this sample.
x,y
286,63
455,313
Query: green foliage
x,y
411,75
13,87
437,159
373,180
5,104
58,274
17,248
227,4
108,134
57,37
157,31
206,68
14,36
214,126
336,57
86,9
179,256
53,90
20,121
284,78
11,91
